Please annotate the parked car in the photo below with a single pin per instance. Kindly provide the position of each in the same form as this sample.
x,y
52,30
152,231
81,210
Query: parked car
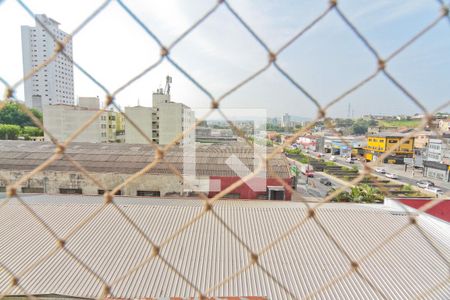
x,y
325,181
434,190
350,160
425,184
391,175
380,170
332,158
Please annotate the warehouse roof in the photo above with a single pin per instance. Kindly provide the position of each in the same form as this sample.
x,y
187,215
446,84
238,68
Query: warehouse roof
x,y
388,134
210,160
206,253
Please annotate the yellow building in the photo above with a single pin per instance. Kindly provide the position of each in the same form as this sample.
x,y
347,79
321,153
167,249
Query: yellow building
x,y
377,144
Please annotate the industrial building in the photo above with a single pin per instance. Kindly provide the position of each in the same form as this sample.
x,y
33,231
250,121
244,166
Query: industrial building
x,y
162,123
113,163
306,264
377,144
62,120
53,84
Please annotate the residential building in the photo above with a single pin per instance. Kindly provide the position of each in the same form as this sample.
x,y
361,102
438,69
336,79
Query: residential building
x,y
377,144
205,134
142,118
444,125
388,259
421,139
112,163
162,123
120,127
53,84
273,121
62,120
437,158
286,120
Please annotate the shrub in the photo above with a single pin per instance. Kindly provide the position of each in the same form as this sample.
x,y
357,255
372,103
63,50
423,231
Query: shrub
x,y
9,132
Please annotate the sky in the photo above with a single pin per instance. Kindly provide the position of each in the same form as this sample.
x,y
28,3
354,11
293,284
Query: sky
x,y
326,61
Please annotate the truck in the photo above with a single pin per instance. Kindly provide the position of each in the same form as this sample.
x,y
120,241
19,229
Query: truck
x,y
307,170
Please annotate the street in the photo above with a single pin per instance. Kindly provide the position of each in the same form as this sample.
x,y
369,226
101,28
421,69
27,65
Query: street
x,y
399,170
311,186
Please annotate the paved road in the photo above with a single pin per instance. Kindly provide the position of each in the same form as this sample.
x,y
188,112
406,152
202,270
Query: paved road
x,y
311,186
396,169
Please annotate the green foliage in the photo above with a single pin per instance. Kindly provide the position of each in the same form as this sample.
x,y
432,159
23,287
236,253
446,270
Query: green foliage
x,y
343,122
362,193
401,123
9,132
12,113
293,151
407,188
273,127
32,131
360,127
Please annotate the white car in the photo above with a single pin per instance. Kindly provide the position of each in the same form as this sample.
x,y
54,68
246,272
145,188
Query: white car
x,y
434,190
332,158
391,175
380,170
425,184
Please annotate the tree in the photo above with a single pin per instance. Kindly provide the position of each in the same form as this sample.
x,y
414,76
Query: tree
x,y
362,193
12,113
30,131
9,132
360,127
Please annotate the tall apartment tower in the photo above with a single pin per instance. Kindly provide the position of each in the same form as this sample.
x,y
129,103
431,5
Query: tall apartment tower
x,y
54,83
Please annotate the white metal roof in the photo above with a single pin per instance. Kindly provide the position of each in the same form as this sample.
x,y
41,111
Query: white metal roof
x,y
206,252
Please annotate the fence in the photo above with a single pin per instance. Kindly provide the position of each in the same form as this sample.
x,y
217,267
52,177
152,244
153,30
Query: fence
x,y
354,266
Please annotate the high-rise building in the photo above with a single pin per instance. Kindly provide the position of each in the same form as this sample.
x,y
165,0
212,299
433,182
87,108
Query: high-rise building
x,y
286,121
53,84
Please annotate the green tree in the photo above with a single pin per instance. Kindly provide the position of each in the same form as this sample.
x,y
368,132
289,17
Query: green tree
x,y
12,113
30,131
362,193
360,127
9,132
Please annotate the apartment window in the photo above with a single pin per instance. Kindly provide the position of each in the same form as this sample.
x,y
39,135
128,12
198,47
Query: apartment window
x,y
118,193
36,190
149,193
392,141
2,189
70,191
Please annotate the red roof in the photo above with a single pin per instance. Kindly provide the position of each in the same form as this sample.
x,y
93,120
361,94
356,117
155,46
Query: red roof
x,y
440,210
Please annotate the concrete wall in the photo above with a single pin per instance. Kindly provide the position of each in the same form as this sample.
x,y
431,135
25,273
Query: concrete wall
x,y
142,117
52,181
62,120
159,97
89,102
170,121
167,184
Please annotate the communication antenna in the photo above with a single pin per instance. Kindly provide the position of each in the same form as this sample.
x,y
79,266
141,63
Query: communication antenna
x,y
168,82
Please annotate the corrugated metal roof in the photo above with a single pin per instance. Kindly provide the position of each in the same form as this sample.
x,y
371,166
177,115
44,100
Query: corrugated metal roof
x,y
206,252
126,158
